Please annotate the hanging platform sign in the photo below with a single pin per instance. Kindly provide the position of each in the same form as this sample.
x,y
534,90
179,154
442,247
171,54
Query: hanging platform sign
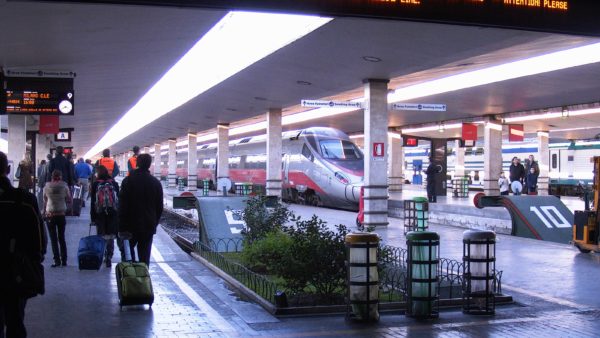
x,y
419,106
469,132
516,133
49,124
330,104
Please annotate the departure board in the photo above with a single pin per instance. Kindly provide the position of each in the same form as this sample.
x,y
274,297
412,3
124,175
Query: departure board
x,y
38,96
561,16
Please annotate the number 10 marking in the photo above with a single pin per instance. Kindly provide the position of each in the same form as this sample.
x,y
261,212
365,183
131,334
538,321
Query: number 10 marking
x,y
551,217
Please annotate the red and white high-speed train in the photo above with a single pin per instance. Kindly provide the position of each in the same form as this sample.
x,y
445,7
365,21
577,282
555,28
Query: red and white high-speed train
x,y
320,166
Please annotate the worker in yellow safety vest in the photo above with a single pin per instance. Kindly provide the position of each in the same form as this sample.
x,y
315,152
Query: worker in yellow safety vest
x,y
108,163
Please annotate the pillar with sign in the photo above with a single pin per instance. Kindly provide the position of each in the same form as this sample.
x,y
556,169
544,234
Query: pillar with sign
x,y
172,173
157,161
274,151
16,141
543,159
396,162
192,168
492,157
459,166
222,155
376,134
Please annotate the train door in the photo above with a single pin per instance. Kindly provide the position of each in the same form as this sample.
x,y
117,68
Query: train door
x,y
554,163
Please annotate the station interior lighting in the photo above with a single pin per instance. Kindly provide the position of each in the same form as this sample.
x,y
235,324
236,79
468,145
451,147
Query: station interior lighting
x,y
237,41
552,115
432,128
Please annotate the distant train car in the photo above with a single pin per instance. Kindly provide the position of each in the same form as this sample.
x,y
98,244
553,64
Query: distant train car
x,y
320,166
569,163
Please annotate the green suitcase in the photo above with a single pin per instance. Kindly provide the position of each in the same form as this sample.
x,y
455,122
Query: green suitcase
x,y
133,283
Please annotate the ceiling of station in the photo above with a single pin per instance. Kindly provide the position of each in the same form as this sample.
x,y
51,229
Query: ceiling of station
x,y
119,52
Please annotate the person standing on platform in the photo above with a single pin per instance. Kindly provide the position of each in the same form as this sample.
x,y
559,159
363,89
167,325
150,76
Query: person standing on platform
x,y
132,162
103,210
517,171
60,163
140,208
56,199
83,173
41,181
531,182
431,173
23,173
503,184
29,240
108,163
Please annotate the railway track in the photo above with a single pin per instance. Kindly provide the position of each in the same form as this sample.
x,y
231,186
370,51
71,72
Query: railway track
x,y
182,229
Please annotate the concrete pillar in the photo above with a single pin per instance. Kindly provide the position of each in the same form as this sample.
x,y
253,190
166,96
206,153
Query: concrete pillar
x,y
192,162
376,134
222,153
543,159
459,165
146,150
157,161
396,162
172,173
274,152
17,128
492,158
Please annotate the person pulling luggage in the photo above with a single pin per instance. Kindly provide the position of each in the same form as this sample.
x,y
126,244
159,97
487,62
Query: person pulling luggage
x,y
56,199
103,210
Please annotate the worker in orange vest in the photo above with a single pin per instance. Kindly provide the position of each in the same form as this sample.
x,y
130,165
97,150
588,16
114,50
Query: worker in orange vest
x,y
108,163
132,163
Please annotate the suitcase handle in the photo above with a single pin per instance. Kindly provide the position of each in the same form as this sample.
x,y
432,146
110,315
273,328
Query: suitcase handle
x,y
92,224
127,249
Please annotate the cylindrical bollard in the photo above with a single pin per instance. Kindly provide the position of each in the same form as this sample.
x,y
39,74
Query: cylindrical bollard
x,y
479,266
422,278
422,214
180,184
205,184
363,278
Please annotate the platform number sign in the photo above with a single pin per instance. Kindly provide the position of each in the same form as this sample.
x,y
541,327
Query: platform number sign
x,y
550,216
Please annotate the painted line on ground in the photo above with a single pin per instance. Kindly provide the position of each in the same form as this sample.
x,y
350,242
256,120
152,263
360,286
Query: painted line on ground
x,y
544,297
214,317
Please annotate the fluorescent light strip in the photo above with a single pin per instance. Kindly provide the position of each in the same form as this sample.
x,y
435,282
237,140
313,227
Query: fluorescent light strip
x,y
536,65
234,43
432,128
573,129
552,115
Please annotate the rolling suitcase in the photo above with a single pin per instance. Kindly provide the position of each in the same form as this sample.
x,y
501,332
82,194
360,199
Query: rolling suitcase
x,y
76,207
133,281
91,252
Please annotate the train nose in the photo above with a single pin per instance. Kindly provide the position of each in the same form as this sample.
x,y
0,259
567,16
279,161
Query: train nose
x,y
353,192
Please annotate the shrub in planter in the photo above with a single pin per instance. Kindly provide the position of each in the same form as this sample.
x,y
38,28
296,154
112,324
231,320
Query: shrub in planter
x,y
265,254
261,220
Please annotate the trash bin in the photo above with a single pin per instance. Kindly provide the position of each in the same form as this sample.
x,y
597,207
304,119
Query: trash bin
x,y
180,184
479,266
362,277
422,278
205,184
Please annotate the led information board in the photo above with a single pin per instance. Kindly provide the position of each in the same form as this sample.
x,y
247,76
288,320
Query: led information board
x,y
561,16
31,95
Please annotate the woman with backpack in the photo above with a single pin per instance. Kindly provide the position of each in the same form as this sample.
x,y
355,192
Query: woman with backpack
x,y
103,209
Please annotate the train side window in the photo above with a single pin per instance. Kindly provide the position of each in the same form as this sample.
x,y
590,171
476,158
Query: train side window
x,y
306,153
554,161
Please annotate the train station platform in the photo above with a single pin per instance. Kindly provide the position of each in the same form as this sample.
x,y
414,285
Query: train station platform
x,y
191,301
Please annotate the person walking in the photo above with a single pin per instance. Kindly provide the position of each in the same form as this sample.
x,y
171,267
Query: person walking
x,y
25,237
24,174
109,163
41,181
103,210
140,208
83,173
132,162
431,172
60,163
56,199
503,184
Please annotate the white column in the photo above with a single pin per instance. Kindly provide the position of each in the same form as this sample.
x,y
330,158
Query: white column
x,y
396,162
274,151
192,162
41,149
543,158
459,165
376,131
16,142
492,158
222,152
146,150
172,173
157,161
124,160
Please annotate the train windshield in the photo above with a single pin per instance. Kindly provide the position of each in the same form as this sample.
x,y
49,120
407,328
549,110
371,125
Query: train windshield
x,y
339,150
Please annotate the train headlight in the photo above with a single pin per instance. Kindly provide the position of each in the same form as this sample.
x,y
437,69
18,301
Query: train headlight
x,y
342,178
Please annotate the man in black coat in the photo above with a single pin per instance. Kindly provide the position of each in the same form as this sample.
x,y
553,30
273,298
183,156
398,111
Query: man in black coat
x,y
140,208
60,163
517,171
431,172
22,233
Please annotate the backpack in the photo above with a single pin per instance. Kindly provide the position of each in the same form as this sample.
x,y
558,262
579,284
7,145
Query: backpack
x,y
106,196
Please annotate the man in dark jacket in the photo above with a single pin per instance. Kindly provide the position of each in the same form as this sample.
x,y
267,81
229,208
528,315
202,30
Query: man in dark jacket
x,y
60,163
22,230
517,171
140,208
431,172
